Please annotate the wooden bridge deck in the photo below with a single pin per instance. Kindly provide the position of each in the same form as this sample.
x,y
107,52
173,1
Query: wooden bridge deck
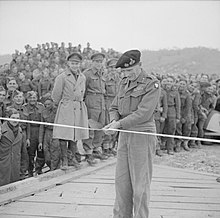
x,y
175,193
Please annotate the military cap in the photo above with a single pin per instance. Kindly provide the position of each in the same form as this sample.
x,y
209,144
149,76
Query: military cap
x,y
74,57
98,56
129,59
217,80
31,94
46,97
112,62
10,110
16,92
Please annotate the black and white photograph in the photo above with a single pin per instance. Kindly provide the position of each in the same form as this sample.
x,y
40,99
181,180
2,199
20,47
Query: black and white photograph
x,y
109,109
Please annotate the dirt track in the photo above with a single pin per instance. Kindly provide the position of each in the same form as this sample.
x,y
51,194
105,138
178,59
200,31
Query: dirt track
x,y
206,159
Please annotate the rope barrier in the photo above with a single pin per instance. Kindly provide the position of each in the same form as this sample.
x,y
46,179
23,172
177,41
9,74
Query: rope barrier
x,y
119,130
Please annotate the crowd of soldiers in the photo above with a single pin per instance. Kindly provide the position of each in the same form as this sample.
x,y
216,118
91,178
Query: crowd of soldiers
x,y
26,85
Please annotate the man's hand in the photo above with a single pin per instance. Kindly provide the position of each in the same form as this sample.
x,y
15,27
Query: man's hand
x,y
113,125
40,146
28,143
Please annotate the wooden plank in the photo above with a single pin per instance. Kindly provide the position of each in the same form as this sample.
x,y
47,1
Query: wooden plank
x,y
109,197
174,193
170,213
58,210
160,179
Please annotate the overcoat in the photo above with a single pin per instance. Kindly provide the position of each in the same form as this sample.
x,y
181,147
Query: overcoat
x,y
10,155
68,93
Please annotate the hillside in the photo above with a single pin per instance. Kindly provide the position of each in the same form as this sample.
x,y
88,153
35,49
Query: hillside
x,y
187,60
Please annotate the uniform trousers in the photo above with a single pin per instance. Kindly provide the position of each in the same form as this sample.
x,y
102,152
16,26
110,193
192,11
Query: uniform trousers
x,y
133,175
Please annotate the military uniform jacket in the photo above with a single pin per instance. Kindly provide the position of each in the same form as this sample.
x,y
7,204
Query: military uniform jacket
x,y
174,104
134,105
111,85
25,86
2,110
162,107
34,114
186,105
207,102
196,101
68,94
47,116
95,89
44,86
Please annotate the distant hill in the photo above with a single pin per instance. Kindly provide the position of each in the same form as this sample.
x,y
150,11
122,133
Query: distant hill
x,y
187,60
5,59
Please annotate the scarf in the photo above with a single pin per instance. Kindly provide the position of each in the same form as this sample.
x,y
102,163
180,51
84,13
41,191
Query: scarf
x,y
13,128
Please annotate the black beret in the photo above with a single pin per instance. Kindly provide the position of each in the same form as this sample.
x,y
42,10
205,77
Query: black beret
x,y
129,59
98,56
74,57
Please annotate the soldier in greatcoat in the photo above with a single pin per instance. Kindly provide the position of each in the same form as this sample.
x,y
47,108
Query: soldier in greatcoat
x,y
68,94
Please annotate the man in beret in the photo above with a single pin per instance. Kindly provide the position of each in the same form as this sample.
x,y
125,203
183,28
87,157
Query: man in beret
x,y
95,102
68,93
132,109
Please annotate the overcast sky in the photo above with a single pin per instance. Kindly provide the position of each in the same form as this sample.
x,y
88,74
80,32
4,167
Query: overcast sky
x,y
121,25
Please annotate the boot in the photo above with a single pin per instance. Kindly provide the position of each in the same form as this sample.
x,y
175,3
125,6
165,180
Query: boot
x,y
99,155
159,153
63,148
177,148
64,165
170,152
192,144
90,160
30,173
185,145
72,159
113,151
163,145
107,152
39,165
199,145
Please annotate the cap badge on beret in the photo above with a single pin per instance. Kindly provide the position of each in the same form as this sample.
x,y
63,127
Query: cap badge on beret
x,y
129,59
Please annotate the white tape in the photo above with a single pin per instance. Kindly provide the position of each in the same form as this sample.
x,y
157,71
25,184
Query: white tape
x,y
119,130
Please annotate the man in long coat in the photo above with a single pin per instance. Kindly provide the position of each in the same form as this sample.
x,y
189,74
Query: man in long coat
x,y
10,149
68,93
